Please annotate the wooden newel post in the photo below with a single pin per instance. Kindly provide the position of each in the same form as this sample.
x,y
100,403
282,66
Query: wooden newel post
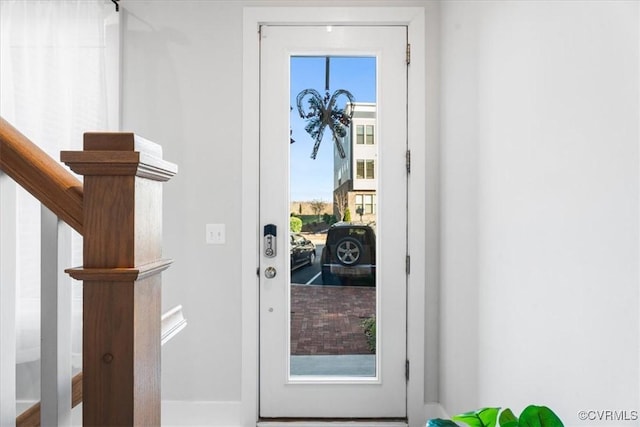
x,y
123,176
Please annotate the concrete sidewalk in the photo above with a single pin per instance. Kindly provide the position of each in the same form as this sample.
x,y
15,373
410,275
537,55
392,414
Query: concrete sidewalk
x,y
356,365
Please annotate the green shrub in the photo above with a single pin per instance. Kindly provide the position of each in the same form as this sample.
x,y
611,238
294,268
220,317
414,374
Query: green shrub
x,y
295,224
347,215
329,219
307,219
369,326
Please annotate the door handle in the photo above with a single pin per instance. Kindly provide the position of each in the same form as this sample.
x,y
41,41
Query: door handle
x,y
270,272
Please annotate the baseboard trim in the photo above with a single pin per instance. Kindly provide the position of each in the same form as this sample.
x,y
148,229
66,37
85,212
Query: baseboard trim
x,y
229,414
177,413
190,414
434,410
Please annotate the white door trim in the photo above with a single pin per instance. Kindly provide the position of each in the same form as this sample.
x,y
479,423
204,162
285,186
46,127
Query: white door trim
x,y
414,19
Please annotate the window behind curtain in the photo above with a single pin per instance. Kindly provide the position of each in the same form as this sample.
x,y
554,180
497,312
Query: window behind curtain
x,y
58,79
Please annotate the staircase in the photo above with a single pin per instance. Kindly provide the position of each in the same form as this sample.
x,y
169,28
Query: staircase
x,y
118,211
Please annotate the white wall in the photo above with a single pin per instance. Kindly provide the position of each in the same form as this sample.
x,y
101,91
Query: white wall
x,y
182,88
540,206
538,196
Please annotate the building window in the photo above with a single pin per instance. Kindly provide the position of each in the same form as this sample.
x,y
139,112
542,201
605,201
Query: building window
x,y
366,203
365,169
365,134
359,134
368,137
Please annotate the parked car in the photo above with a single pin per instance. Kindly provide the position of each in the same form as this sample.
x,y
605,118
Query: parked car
x,y
349,255
303,251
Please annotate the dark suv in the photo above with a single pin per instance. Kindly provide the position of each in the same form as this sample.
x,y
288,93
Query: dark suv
x,y
349,255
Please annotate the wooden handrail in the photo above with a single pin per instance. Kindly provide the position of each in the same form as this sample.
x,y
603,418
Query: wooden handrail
x,y
56,188
43,177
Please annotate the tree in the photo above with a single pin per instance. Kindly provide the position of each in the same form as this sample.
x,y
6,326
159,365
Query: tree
x,y
317,206
340,201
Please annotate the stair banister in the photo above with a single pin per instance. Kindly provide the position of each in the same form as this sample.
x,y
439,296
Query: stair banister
x,y
43,177
7,300
60,193
122,262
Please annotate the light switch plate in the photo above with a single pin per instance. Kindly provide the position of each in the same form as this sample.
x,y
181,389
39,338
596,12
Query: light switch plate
x,y
216,234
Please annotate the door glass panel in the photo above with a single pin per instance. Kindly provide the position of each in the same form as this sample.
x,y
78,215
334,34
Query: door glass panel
x,y
333,193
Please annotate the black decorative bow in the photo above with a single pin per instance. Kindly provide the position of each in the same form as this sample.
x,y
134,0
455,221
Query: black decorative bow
x,y
323,112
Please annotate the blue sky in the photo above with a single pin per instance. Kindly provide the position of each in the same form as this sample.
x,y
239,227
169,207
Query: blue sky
x,y
313,179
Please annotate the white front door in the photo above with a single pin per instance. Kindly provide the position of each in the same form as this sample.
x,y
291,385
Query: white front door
x,y
333,295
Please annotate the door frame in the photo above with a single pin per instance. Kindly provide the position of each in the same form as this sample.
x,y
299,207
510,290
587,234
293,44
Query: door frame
x,y
414,19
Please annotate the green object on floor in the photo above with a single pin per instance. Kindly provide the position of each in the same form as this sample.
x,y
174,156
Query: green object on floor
x,y
439,422
485,417
539,416
531,416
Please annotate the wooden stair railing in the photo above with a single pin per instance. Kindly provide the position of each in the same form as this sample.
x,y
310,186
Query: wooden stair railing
x,y
119,213
47,180
172,323
122,262
56,188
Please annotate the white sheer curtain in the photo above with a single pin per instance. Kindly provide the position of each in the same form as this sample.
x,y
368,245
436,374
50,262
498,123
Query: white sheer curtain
x,y
56,82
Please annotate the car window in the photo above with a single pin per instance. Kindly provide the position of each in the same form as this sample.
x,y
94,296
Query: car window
x,y
362,234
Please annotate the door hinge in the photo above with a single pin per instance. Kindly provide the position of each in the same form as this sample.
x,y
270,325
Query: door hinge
x,y
408,160
408,53
408,264
406,369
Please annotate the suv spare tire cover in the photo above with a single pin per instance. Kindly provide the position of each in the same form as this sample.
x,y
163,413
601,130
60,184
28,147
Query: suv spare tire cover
x,y
348,251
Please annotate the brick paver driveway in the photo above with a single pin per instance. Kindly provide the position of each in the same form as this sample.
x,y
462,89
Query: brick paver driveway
x,y
328,319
